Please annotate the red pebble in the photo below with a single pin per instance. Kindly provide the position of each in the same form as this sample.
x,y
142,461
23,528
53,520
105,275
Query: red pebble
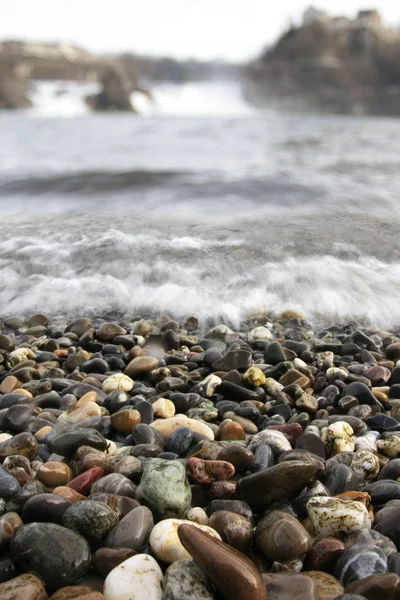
x,y
207,471
85,480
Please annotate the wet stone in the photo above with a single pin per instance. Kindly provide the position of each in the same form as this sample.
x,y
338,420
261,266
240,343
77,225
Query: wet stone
x,y
46,508
164,488
132,531
91,519
57,555
359,562
280,537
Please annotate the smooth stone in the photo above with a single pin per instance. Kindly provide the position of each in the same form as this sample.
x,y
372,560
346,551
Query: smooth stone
x,y
124,420
234,529
106,559
180,441
280,537
359,562
163,408
91,519
391,470
276,440
57,555
164,488
184,580
241,458
24,444
10,523
278,482
331,516
83,483
77,592
118,381
239,360
384,586
68,493
263,458
128,465
137,578
387,521
282,586
231,572
382,491
23,587
114,483
45,508
141,366
9,486
340,478
370,537
132,531
67,443
165,543
30,489
167,426
52,474
312,443
324,555
7,568
108,331
197,515
231,430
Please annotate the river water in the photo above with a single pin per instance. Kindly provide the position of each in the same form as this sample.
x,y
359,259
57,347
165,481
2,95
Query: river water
x,y
199,206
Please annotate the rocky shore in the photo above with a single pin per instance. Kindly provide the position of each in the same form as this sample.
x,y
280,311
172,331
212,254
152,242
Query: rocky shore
x,y
151,459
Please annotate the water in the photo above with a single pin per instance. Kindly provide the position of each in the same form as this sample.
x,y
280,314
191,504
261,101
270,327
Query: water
x,y
208,211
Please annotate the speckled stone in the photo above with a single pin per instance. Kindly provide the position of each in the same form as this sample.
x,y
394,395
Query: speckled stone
x,y
23,587
207,471
77,592
365,465
91,519
9,486
331,516
184,580
57,555
24,444
164,488
339,437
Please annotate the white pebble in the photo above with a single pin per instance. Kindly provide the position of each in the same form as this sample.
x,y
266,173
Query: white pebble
x,y
165,543
137,578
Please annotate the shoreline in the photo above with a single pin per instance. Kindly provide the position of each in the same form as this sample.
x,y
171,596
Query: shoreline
x,y
269,454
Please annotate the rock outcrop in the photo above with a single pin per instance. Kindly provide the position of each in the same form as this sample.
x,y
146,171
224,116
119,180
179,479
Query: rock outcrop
x,y
115,93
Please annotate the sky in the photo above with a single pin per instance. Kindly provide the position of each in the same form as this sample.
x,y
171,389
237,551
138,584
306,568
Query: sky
x,y
234,30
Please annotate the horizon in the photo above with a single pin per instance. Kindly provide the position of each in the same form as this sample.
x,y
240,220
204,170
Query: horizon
x,y
190,35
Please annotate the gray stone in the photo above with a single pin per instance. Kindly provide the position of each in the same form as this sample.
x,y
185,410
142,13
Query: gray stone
x,y
184,580
164,488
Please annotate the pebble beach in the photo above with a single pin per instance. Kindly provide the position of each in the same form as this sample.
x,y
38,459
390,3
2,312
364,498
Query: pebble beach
x,y
150,458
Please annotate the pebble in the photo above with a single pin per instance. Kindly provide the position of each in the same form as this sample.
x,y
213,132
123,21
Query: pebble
x,y
132,531
26,586
57,555
280,439
184,580
280,537
332,516
164,488
137,578
165,543
231,572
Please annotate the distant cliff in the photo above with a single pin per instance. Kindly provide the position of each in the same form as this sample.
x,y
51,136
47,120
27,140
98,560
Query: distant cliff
x,y
330,65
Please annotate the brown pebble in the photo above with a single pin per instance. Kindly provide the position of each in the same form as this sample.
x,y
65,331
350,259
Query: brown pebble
x,y
24,587
207,471
230,430
382,586
232,573
106,559
68,493
324,555
77,592
124,420
53,474
9,384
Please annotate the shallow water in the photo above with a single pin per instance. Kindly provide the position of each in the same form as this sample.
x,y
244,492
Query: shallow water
x,y
213,215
